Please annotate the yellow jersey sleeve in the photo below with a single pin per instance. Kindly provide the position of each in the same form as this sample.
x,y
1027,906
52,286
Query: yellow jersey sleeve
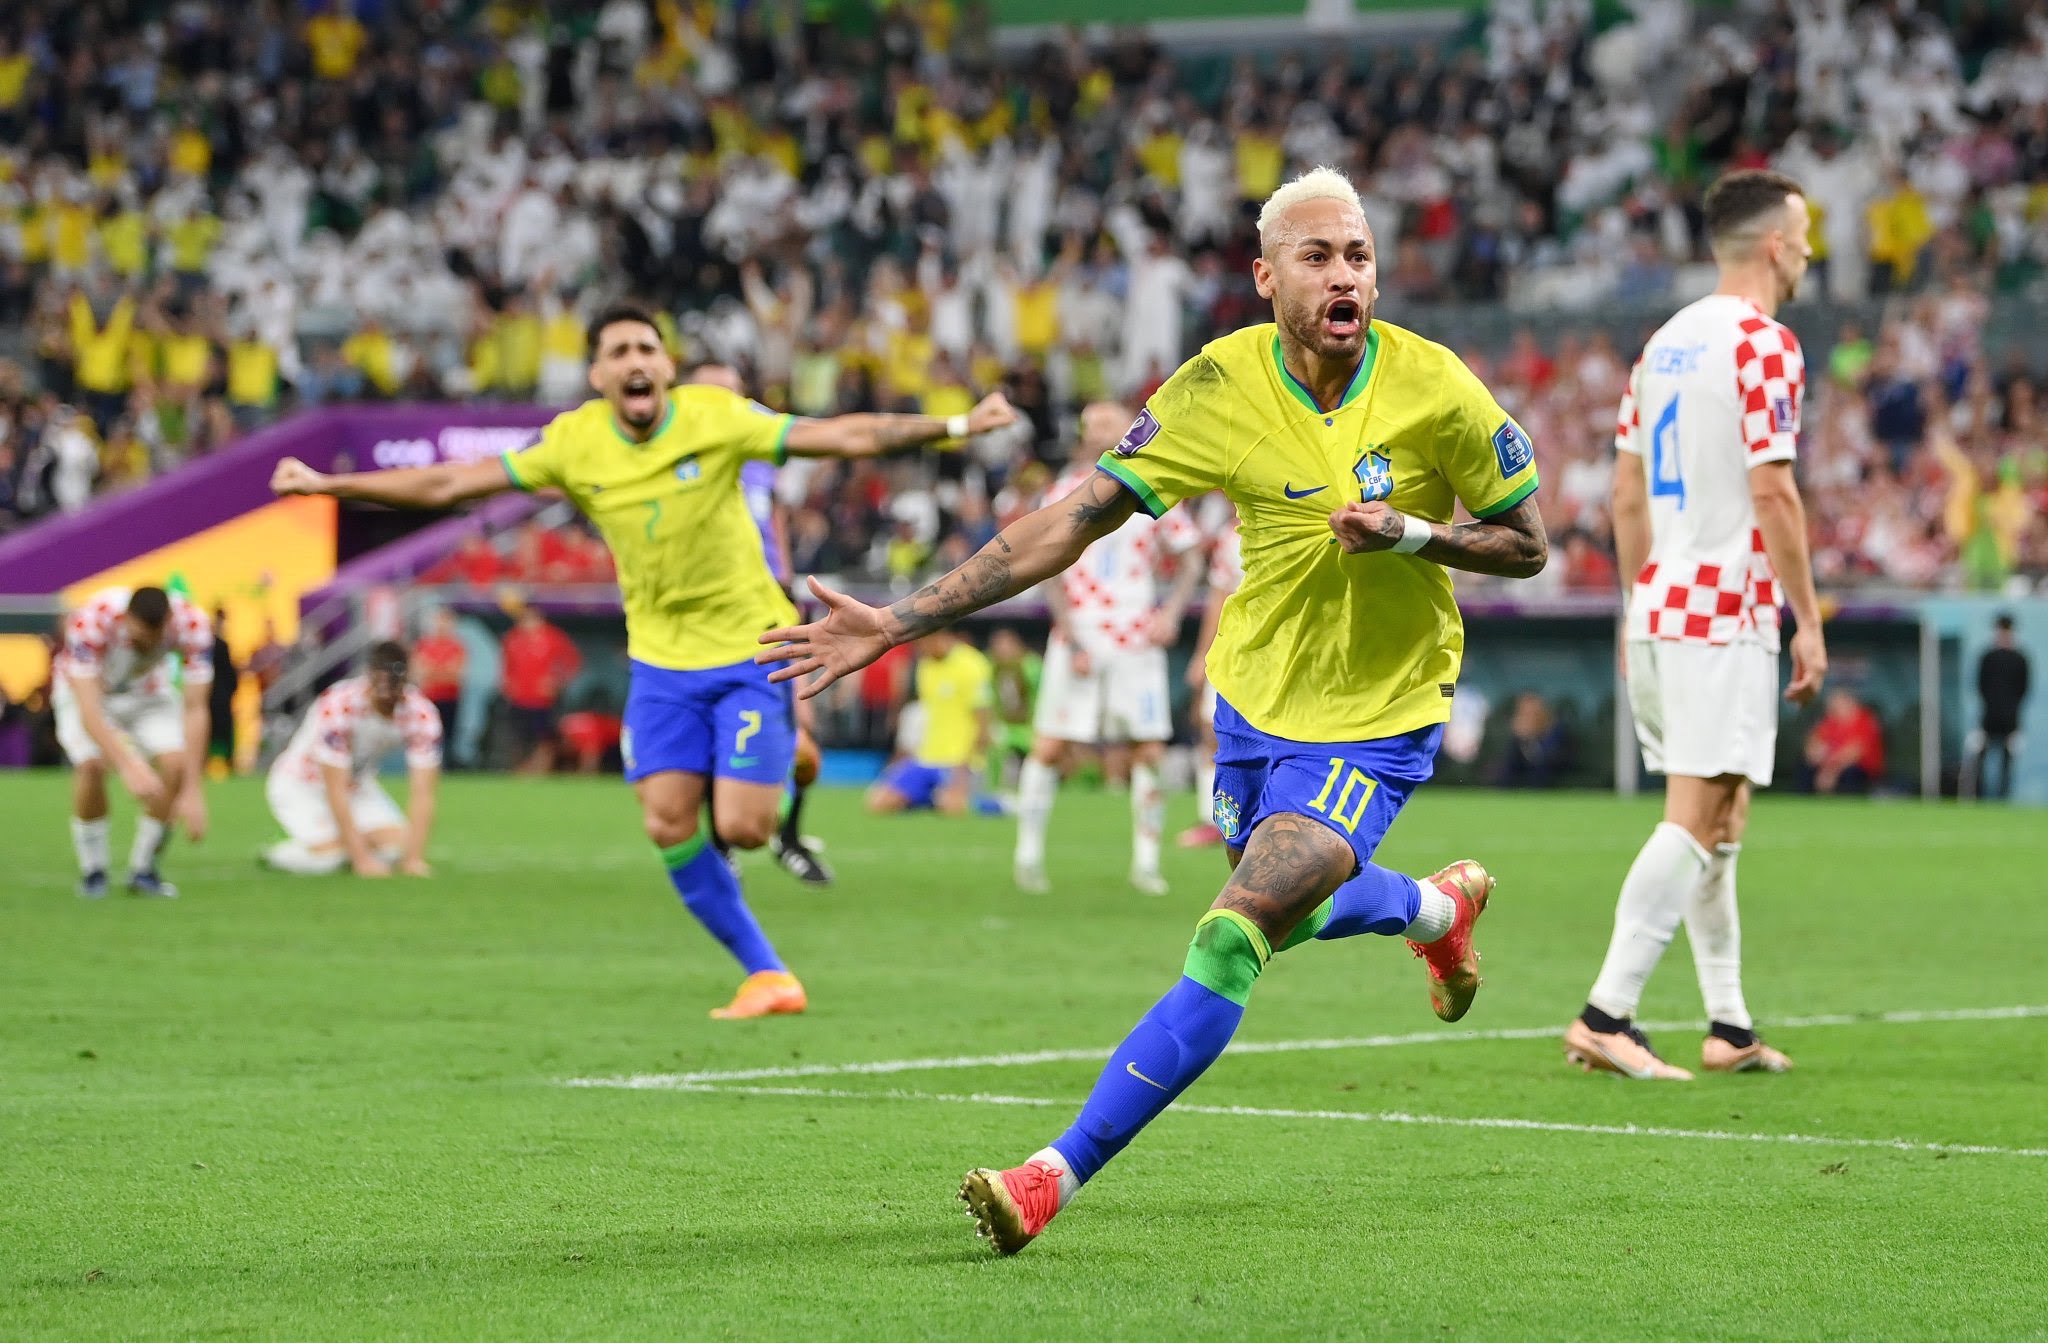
x,y
748,427
1483,453
1178,446
545,464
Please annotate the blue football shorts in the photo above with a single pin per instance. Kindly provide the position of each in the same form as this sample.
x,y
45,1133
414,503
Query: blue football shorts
x,y
1355,788
721,722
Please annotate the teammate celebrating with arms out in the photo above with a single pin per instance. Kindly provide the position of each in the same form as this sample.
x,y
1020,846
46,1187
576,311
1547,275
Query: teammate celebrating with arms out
x,y
1345,443
656,468
1708,520
1105,670
118,706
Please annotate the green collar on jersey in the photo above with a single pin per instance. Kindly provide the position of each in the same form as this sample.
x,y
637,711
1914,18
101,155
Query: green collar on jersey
x,y
1358,379
611,418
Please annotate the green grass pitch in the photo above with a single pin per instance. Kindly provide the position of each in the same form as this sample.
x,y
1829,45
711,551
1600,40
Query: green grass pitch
x,y
334,1109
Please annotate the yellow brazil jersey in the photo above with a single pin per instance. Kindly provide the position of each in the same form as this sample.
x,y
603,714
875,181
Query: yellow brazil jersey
x,y
697,591
954,689
1318,645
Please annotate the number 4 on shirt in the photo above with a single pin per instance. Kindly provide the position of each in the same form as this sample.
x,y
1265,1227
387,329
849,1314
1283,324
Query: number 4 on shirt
x,y
1667,473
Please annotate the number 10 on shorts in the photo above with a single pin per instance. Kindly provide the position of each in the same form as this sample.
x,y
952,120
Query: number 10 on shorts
x,y
1356,782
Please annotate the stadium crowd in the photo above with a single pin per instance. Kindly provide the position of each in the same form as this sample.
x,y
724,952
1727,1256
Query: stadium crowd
x,y
212,213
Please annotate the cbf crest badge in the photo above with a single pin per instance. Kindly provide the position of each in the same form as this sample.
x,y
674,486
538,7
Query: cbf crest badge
x,y
1375,472
1224,809
689,469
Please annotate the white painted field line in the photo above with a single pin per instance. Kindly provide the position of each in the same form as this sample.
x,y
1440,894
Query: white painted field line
x,y
1394,1117
672,1081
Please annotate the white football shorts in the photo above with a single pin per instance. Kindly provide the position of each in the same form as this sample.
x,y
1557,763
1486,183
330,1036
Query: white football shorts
x,y
1704,710
155,723
1122,698
301,808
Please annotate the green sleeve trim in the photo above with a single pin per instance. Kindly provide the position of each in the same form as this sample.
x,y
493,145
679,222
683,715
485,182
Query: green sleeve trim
x,y
679,855
1528,487
782,440
1131,481
512,473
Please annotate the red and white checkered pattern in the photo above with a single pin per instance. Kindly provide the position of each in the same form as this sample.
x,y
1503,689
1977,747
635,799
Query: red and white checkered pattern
x,y
1113,589
1716,393
343,729
97,643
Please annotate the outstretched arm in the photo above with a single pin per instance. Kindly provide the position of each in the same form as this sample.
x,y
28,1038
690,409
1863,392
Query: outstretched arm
x,y
1511,544
406,487
1028,551
880,435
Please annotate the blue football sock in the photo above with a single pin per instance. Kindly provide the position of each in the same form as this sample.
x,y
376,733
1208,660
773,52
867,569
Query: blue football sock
x,y
1172,1045
711,892
1374,901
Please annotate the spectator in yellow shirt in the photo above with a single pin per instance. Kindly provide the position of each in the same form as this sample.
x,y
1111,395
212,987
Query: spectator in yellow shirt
x,y
252,380
70,227
184,354
1900,228
100,354
517,331
335,40
124,240
372,352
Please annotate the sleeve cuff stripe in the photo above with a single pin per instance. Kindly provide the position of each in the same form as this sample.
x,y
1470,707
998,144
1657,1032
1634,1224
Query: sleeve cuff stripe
x,y
512,473
782,439
1130,480
1528,487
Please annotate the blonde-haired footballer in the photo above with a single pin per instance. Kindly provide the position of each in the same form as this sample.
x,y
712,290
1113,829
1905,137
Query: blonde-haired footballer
x,y
1347,445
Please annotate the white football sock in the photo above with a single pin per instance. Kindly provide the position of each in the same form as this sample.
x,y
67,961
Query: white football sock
x,y
1653,898
1434,916
1148,818
1037,784
149,841
1205,790
291,856
1714,928
1070,1183
89,842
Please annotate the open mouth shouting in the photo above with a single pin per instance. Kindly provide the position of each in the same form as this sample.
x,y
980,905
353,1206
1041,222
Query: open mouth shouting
x,y
639,398
1343,320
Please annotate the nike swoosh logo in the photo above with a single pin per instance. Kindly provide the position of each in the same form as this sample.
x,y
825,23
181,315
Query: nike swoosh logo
x,y
1293,493
1132,1069
743,762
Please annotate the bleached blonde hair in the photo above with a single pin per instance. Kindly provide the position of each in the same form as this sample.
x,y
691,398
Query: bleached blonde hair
x,y
1315,184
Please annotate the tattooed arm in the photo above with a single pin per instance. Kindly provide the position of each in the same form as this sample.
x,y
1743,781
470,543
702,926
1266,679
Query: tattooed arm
x,y
1511,544
881,435
1028,551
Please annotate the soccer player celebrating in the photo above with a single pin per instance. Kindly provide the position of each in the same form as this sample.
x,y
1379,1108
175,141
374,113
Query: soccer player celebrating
x,y
1105,670
118,706
323,789
656,468
1345,443
757,481
955,691
1707,518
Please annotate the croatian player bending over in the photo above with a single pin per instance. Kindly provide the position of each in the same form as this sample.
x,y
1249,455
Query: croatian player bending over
x,y
118,705
1105,669
323,790
1346,444
1707,519
656,467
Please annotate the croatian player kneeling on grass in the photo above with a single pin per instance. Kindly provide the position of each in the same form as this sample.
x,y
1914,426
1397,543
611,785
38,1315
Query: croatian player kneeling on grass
x,y
323,790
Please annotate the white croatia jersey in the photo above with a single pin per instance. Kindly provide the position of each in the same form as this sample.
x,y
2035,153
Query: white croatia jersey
x,y
96,643
343,730
1716,392
1226,556
1113,589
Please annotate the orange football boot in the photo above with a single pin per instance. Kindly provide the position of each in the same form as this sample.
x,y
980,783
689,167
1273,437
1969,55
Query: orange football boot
x,y
1453,964
1624,1052
1010,1207
1718,1056
765,993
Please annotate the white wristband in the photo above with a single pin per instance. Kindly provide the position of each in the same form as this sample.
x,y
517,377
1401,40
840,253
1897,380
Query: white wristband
x,y
1415,534
956,426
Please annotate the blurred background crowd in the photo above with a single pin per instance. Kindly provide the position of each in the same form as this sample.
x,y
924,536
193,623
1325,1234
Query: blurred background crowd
x,y
215,213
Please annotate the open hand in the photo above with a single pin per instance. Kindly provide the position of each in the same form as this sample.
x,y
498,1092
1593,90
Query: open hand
x,y
416,867
370,865
1361,528
1809,665
142,781
293,476
851,636
192,813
